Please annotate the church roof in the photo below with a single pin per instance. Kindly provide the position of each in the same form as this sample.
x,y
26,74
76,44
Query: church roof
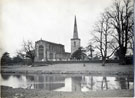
x,y
48,42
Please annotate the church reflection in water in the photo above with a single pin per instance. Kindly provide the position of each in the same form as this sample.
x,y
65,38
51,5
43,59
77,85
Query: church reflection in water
x,y
68,83
45,82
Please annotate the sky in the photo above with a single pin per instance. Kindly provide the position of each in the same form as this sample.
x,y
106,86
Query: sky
x,y
51,20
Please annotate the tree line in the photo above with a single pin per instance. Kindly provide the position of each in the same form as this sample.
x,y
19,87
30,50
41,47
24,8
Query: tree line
x,y
24,56
113,32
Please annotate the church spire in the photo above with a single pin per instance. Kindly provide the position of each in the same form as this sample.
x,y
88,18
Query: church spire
x,y
75,41
75,33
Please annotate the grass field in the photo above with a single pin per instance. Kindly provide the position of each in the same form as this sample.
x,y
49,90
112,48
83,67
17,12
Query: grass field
x,y
73,68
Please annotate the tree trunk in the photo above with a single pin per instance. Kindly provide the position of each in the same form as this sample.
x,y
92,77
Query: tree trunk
x,y
32,62
122,53
103,61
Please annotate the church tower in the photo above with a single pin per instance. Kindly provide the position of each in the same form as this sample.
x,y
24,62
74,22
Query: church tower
x,y
75,41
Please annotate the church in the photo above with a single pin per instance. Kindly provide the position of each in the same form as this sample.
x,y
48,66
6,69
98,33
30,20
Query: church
x,y
49,51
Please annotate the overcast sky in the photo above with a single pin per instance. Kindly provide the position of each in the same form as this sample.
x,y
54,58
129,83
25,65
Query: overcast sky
x,y
51,20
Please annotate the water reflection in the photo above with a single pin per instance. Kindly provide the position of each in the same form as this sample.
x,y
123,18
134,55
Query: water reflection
x,y
76,83
66,83
14,81
5,76
45,82
125,82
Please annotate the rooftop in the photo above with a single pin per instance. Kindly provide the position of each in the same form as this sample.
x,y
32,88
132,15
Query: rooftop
x,y
48,42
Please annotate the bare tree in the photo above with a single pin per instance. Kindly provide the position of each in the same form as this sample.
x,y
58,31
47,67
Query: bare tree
x,y
103,39
90,50
27,50
121,16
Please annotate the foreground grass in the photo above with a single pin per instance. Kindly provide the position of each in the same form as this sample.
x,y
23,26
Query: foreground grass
x,y
25,93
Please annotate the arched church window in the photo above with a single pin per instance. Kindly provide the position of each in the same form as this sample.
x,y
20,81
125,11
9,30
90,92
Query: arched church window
x,y
51,55
74,44
41,52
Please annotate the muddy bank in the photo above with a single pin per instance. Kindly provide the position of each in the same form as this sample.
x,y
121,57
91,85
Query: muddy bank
x,y
8,92
116,74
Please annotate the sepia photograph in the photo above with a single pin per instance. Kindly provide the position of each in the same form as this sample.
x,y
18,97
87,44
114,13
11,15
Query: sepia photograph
x,y
66,48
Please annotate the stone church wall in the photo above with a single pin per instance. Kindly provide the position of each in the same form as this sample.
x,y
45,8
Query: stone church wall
x,y
48,51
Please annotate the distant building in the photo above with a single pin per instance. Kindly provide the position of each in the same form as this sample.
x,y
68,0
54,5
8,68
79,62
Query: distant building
x,y
75,41
49,51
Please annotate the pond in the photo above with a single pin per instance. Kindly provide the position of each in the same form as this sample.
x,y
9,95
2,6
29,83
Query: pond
x,y
66,83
